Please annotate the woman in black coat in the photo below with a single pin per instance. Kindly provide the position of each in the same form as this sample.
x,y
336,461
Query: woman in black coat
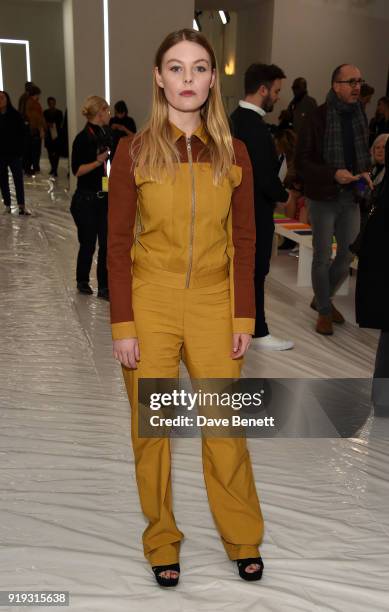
x,y
372,290
12,141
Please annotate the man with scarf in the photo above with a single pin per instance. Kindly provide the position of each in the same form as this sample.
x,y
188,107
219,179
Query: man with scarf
x,y
333,160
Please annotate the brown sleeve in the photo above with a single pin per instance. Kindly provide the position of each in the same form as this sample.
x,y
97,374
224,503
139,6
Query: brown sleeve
x,y
32,114
122,201
243,243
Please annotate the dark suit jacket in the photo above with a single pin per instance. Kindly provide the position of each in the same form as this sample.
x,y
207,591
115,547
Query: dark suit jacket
x,y
247,125
300,111
317,175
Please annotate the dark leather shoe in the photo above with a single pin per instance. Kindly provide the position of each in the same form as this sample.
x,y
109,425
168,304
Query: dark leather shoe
x,y
324,325
337,316
84,288
103,294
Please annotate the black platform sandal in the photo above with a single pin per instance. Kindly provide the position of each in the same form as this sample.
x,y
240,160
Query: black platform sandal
x,y
166,582
243,563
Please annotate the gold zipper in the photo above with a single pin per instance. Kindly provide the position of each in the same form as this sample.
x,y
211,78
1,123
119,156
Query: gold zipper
x,y
190,160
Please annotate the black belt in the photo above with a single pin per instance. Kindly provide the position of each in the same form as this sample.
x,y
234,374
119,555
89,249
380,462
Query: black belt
x,y
97,194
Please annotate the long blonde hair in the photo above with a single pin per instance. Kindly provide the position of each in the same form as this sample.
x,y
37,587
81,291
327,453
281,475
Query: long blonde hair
x,y
153,148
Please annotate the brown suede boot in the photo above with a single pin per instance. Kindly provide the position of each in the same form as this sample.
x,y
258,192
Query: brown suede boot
x,y
337,316
324,325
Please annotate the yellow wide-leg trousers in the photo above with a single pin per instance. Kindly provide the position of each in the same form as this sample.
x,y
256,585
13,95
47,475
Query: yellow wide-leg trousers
x,y
194,324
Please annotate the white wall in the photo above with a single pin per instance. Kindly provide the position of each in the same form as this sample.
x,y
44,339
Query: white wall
x,y
136,31
41,24
257,32
254,29
84,56
213,29
309,38
312,37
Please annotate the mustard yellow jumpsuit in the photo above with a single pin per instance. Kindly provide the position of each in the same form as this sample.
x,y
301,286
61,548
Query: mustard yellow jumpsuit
x,y
181,269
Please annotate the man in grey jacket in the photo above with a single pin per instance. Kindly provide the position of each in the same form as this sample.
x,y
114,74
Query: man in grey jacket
x,y
333,160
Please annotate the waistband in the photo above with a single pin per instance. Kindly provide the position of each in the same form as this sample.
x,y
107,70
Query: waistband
x,y
87,192
176,280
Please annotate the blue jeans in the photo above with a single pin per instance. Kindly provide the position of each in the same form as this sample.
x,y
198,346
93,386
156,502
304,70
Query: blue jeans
x,y
339,218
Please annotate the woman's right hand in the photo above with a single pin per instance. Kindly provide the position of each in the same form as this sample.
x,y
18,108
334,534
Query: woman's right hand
x,y
127,352
102,157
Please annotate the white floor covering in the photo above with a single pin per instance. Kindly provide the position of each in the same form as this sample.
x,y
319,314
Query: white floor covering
x,y
69,511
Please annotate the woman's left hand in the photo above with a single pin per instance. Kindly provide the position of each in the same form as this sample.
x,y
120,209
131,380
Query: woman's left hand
x,y
240,344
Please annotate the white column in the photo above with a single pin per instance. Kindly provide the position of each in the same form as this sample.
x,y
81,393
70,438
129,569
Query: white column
x,y
84,57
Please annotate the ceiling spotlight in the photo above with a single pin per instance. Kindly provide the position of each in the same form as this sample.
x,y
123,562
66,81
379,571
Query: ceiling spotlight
x,y
224,16
196,21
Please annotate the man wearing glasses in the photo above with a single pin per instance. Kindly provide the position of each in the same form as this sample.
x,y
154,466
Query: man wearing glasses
x,y
333,159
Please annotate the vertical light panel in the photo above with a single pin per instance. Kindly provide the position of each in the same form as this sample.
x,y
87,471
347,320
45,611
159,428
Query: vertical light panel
x,y
106,62
106,53
11,41
28,61
1,72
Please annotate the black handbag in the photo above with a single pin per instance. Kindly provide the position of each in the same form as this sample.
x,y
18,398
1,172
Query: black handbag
x,y
371,209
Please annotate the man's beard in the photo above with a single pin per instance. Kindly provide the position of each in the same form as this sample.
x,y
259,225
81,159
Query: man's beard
x,y
268,104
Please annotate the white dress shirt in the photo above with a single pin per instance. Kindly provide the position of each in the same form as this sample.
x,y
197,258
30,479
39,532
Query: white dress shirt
x,y
253,107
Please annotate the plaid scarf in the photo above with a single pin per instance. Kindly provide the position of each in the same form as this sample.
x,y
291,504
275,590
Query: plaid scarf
x,y
333,143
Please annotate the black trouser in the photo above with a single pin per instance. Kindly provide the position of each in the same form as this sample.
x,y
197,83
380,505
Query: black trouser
x,y
264,243
27,149
90,212
53,154
36,149
380,390
33,151
16,166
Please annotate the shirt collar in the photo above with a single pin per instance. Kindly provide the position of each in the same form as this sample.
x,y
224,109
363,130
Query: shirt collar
x,y
200,132
253,107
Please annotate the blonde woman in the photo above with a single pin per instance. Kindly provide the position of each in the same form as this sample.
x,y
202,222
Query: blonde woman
x,y
89,206
378,158
184,287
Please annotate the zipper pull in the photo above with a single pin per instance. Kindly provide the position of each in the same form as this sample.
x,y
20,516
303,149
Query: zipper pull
x,y
189,149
